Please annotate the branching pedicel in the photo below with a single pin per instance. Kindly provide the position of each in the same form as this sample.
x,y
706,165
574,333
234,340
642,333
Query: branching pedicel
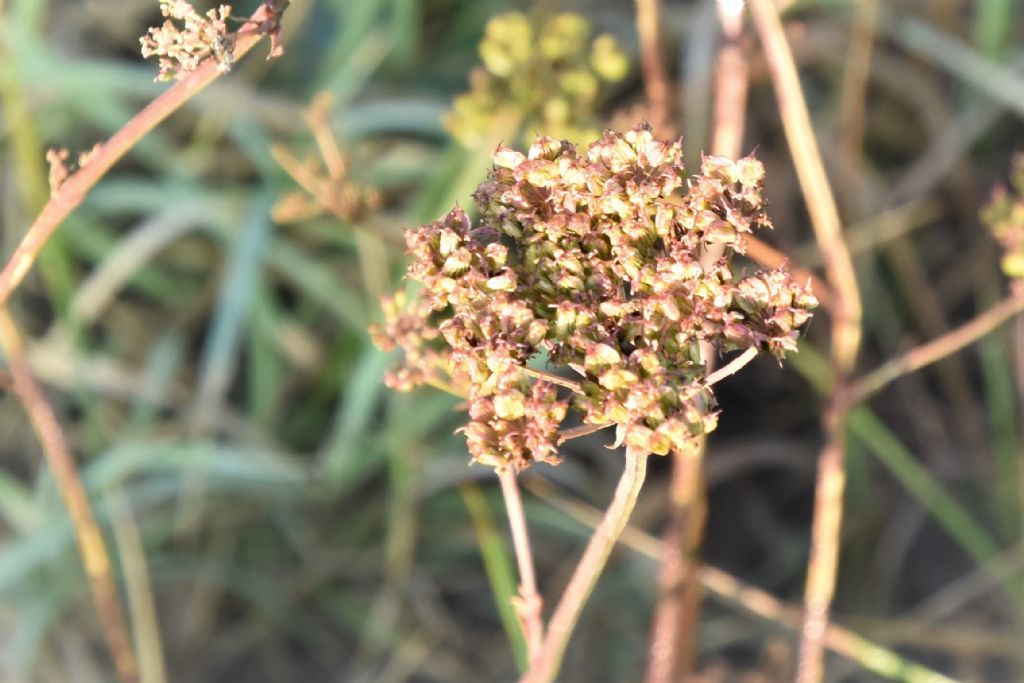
x,y
594,261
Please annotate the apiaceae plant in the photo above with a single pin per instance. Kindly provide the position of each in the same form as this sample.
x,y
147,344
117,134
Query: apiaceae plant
x,y
592,262
587,288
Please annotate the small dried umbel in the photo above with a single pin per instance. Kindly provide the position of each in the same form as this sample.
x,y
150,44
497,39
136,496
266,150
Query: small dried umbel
x,y
545,74
1004,216
594,262
186,38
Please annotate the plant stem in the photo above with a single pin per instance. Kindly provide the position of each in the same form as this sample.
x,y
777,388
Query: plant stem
x,y
91,546
554,379
677,611
846,337
648,28
814,183
937,349
731,83
545,666
529,606
74,189
867,654
731,368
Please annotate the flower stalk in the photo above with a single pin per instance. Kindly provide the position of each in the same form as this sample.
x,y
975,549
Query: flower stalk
x,y
545,666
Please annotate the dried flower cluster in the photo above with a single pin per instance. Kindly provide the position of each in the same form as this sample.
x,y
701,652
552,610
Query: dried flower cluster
x,y
541,75
326,185
181,49
594,262
1004,216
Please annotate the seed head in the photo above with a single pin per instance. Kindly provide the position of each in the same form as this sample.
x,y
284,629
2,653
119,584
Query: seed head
x,y
187,38
593,261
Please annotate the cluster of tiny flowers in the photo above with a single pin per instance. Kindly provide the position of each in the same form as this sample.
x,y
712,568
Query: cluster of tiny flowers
x,y
181,49
543,75
593,261
1004,216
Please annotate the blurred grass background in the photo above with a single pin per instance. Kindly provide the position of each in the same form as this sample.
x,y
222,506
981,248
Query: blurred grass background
x,y
277,514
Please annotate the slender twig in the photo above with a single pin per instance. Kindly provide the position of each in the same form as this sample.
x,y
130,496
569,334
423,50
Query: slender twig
x,y
867,654
731,368
582,430
554,379
674,627
544,668
731,83
855,79
529,604
74,188
91,545
814,183
677,610
935,350
648,27
846,336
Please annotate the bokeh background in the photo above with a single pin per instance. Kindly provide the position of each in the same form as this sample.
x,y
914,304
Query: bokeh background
x,y
277,514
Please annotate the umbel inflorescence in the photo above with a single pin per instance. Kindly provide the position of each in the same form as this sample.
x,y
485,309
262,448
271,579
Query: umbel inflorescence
x,y
537,75
181,49
592,261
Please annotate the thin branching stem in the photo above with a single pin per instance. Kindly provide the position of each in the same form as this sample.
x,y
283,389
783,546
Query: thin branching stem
x,y
648,26
529,606
677,611
846,336
731,83
76,186
91,546
731,368
544,668
868,654
582,430
572,386
813,181
937,349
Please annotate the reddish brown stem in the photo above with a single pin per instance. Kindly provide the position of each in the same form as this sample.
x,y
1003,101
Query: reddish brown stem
x,y
74,189
648,26
677,611
545,666
91,546
846,337
674,627
529,604
937,349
